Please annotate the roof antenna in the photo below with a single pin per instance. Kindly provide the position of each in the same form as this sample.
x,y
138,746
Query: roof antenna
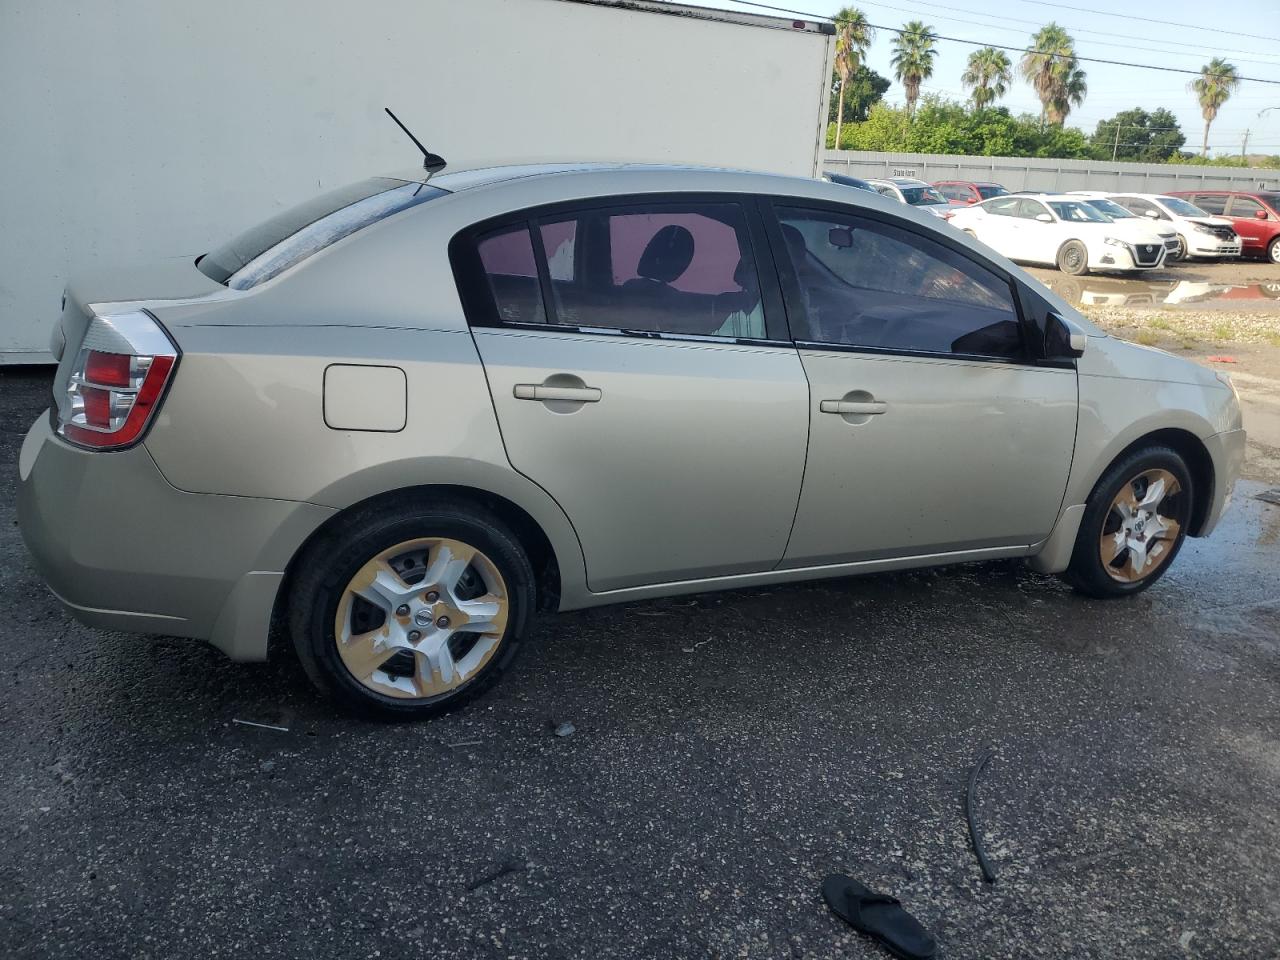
x,y
431,162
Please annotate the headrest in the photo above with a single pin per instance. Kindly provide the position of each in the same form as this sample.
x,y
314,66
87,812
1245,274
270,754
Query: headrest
x,y
667,255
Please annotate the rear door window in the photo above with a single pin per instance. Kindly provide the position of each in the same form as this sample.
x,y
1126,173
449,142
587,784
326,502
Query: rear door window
x,y
288,238
669,268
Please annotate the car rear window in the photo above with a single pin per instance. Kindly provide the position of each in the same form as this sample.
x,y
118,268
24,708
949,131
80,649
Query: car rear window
x,y
288,238
922,196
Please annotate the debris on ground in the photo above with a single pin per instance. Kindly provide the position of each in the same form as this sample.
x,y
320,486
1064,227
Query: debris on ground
x,y
970,812
693,649
1221,358
565,729
1269,496
261,726
497,873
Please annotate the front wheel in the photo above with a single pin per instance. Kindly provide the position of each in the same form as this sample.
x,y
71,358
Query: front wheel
x,y
1073,258
1273,250
410,610
1134,524
1181,252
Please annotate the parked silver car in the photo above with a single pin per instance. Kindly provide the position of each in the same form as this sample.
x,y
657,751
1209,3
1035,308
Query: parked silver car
x,y
402,417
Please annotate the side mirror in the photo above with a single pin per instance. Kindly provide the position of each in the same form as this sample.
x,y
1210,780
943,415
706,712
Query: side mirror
x,y
841,237
1063,340
1154,215
1044,218
1260,214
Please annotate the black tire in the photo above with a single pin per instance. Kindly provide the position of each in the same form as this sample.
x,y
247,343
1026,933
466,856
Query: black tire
x,y
329,563
1073,258
1087,573
1273,250
1181,253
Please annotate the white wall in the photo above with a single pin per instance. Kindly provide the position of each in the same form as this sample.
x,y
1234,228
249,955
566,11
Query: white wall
x,y
144,129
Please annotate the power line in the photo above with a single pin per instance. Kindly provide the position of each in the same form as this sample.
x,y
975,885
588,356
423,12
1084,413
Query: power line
x,y
1163,23
1000,46
1198,48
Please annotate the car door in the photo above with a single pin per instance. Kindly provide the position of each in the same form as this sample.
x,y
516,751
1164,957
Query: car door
x,y
1038,240
1254,230
932,429
995,225
641,379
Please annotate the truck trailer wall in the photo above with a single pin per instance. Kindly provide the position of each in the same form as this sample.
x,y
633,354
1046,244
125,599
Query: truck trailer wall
x,y
147,129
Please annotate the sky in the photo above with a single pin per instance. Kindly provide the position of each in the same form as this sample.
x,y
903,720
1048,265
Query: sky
x,y
1189,33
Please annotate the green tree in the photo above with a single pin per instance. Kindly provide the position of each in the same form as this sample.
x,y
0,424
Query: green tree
x,y
1138,136
988,75
857,95
1217,81
853,39
1051,67
913,53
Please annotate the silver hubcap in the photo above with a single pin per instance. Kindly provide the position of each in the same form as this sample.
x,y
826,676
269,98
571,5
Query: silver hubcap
x,y
1142,527
421,618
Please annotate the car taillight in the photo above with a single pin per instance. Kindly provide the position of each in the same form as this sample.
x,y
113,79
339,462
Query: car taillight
x,y
124,364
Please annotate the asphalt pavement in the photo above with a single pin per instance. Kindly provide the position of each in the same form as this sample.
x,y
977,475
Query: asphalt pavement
x,y
729,751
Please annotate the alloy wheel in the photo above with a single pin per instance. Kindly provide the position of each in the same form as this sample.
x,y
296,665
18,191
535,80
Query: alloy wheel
x,y
421,618
1143,525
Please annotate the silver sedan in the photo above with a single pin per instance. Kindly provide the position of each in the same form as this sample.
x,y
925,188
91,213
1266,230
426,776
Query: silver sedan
x,y
405,417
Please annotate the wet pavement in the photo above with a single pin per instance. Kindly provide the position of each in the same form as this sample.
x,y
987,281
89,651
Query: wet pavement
x,y
1164,291
730,750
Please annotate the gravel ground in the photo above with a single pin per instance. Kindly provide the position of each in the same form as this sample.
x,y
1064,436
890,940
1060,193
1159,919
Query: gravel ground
x,y
730,750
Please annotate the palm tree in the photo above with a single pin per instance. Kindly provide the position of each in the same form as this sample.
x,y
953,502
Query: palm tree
x,y
913,53
988,74
853,39
1051,67
1217,81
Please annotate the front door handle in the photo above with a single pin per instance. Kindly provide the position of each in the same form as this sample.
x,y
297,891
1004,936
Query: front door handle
x,y
863,408
542,391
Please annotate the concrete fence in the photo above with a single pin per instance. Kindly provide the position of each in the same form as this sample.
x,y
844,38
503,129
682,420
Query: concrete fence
x,y
1031,173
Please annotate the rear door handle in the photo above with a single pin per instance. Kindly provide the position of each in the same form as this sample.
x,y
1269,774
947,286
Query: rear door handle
x,y
855,407
540,391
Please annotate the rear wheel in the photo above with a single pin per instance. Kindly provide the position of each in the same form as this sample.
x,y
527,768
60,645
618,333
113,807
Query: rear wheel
x,y
411,610
1134,524
1073,258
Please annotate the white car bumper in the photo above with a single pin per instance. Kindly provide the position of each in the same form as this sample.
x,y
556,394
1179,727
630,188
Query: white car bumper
x,y
1129,257
1203,245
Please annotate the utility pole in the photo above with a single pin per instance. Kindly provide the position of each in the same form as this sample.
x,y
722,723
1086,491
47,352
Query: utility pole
x,y
1244,144
1115,151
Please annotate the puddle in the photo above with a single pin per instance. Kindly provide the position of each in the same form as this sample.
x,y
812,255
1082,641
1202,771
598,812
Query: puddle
x,y
1114,292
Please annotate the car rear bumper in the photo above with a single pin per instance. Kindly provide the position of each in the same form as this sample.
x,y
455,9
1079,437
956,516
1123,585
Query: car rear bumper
x,y
124,550
1226,450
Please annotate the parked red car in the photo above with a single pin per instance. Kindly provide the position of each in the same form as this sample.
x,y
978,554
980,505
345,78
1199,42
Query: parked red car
x,y
1254,214
961,193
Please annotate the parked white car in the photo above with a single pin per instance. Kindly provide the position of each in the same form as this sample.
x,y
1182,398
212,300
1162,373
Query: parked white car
x,y
1060,230
1136,228
916,193
1200,234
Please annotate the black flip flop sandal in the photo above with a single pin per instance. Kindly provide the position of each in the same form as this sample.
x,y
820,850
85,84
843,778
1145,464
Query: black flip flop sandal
x,y
878,916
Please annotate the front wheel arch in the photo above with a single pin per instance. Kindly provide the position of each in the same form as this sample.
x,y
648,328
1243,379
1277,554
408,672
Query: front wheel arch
x,y
1188,446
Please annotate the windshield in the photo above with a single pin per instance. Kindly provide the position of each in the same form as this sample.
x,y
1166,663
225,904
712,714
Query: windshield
x,y
1181,207
1073,211
1272,200
987,191
921,196
1111,209
274,245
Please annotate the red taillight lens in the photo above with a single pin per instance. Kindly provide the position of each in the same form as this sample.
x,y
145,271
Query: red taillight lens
x,y
118,378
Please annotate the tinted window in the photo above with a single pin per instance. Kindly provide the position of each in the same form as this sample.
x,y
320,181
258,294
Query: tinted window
x,y
1211,203
864,283
1243,207
922,196
511,273
987,191
668,268
273,246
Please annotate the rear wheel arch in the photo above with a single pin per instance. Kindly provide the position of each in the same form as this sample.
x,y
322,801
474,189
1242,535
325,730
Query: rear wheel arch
x,y
527,531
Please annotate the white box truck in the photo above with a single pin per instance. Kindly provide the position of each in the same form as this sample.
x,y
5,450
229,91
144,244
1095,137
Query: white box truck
x,y
148,129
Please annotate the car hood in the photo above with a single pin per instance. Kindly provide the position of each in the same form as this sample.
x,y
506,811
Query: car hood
x,y
1138,232
1211,221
